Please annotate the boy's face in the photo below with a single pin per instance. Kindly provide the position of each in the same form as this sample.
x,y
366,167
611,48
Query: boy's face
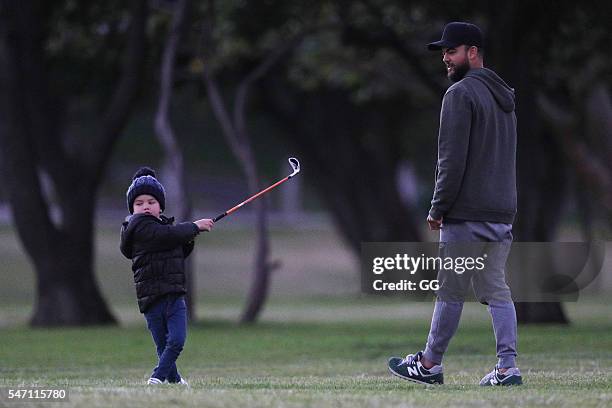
x,y
146,204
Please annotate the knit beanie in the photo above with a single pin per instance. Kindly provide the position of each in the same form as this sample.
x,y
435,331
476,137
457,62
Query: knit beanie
x,y
145,182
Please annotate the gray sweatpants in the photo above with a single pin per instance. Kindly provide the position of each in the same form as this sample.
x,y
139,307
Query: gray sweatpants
x,y
474,239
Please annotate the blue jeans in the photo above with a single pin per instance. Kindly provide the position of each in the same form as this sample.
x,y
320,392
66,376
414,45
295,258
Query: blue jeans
x,y
167,321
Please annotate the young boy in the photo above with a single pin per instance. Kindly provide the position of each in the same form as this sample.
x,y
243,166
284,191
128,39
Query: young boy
x,y
158,249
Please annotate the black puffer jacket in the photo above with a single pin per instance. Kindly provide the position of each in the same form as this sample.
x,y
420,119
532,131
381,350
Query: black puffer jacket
x,y
158,250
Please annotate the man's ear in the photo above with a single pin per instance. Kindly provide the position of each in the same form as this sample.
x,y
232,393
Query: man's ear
x,y
472,52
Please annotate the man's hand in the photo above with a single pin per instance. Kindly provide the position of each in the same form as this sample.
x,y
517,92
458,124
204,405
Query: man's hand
x,y
434,225
205,224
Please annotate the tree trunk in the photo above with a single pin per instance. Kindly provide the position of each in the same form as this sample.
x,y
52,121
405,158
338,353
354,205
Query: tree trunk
x,y
67,292
260,281
235,134
174,166
235,131
541,182
356,180
60,248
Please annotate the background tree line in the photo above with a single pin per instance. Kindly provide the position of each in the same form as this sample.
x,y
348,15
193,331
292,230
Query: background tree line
x,y
348,85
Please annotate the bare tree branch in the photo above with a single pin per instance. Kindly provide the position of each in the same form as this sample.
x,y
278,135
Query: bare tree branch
x,y
242,93
163,128
387,37
591,169
126,91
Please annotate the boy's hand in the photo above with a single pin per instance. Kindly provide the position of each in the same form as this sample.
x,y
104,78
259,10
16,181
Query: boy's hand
x,y
205,224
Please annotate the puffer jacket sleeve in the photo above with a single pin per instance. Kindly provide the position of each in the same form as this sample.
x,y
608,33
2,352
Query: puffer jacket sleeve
x,y
188,248
126,242
154,236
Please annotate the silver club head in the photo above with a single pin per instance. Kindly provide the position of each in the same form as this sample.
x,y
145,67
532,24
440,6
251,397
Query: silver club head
x,y
295,165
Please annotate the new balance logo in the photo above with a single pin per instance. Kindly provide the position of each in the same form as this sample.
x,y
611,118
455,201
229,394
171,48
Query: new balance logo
x,y
413,371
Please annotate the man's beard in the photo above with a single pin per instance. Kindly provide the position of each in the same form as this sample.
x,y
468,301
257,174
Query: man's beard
x,y
459,72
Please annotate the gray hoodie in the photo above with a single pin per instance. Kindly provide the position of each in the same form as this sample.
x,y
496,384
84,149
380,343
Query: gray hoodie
x,y
476,170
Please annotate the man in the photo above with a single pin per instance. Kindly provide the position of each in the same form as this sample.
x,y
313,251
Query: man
x,y
474,202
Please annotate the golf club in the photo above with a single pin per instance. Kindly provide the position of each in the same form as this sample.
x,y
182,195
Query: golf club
x,y
295,165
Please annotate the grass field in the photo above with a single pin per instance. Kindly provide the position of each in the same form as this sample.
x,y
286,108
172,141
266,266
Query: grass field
x,y
338,362
310,350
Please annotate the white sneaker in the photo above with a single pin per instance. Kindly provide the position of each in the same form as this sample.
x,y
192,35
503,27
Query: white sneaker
x,y
154,381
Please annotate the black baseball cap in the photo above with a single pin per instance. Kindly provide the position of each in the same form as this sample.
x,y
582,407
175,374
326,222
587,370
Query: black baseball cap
x,y
458,33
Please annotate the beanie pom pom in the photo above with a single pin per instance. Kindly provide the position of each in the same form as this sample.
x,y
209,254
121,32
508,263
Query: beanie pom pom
x,y
144,171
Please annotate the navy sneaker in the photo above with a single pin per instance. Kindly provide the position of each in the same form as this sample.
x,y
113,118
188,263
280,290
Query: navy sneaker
x,y
512,376
411,369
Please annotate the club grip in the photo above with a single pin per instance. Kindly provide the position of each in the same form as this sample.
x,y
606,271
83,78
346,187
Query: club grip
x,y
218,217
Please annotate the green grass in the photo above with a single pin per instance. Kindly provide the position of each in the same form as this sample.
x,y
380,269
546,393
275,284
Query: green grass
x,y
340,361
223,263
318,343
